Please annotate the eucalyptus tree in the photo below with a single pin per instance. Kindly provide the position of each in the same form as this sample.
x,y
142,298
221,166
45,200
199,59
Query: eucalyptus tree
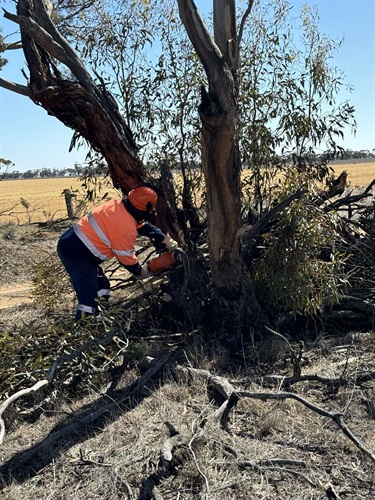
x,y
188,98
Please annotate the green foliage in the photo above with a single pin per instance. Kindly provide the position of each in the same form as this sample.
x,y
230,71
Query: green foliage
x,y
50,284
114,39
95,183
288,95
300,270
28,352
26,205
5,164
287,110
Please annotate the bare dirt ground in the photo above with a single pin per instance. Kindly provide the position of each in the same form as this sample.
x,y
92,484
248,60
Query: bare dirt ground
x,y
115,437
17,257
13,295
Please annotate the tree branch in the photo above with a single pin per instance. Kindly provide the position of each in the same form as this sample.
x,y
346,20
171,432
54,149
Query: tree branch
x,y
13,398
225,29
226,388
248,233
347,200
15,87
54,44
240,33
207,50
336,417
14,45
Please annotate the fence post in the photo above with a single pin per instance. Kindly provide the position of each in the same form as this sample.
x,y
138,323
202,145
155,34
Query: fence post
x,y
69,202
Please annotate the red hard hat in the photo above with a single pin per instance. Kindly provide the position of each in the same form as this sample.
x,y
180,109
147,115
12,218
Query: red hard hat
x,y
143,199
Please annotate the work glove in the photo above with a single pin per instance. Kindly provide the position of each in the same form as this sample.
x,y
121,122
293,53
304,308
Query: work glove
x,y
169,243
145,273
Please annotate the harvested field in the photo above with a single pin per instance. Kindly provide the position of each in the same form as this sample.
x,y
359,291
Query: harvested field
x,y
46,200
359,174
44,197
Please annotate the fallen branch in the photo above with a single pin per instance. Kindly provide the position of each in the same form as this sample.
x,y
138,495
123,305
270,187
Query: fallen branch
x,y
220,384
166,450
83,348
272,462
249,233
91,418
225,387
348,200
336,417
51,373
13,398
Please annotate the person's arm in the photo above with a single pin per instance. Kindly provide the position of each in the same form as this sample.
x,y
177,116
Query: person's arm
x,y
138,270
133,268
154,233
157,236
123,248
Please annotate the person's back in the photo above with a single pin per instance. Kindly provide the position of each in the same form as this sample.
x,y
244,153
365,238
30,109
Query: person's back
x,y
109,230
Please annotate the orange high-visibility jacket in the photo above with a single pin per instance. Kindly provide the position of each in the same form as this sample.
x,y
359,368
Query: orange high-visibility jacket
x,y
109,231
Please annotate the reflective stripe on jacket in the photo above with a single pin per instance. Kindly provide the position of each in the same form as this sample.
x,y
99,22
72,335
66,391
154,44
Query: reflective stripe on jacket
x,y
109,231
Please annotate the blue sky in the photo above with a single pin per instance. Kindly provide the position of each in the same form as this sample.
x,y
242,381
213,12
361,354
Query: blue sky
x,y
32,139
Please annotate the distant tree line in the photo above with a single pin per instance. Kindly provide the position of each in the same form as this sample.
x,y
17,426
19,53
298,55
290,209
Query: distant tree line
x,y
348,154
340,154
6,172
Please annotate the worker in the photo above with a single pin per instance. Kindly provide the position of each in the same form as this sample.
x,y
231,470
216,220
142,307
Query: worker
x,y
109,230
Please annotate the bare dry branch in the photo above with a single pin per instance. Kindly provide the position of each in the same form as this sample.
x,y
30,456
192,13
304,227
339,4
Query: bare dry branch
x,y
225,387
249,233
336,417
201,39
13,46
13,398
280,462
240,33
166,450
15,87
349,199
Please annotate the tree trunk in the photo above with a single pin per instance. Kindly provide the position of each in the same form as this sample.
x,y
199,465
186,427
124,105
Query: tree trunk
x,y
234,306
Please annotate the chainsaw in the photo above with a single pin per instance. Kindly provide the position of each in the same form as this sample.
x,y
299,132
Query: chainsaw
x,y
164,262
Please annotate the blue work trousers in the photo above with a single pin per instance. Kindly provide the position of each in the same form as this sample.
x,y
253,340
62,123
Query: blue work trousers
x,y
86,275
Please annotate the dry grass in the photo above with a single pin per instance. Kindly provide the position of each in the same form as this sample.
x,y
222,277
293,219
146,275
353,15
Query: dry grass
x,y
115,458
47,202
